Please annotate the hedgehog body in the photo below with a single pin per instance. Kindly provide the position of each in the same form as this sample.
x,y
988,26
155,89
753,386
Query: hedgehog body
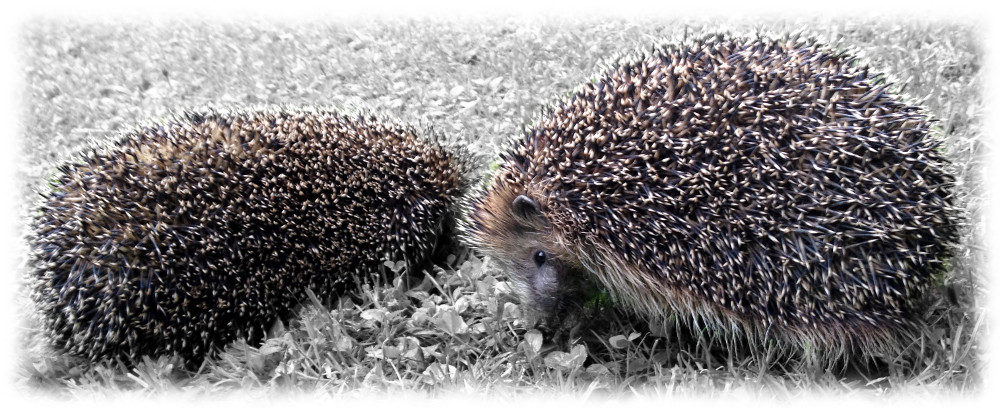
x,y
770,188
186,235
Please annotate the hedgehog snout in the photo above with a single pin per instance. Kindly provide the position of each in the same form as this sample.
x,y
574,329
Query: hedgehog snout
x,y
544,282
551,291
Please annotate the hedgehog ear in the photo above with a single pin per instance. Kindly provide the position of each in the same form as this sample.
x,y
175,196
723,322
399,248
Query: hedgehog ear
x,y
525,208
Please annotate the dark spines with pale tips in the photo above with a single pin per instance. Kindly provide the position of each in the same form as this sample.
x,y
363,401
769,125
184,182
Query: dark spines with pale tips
x,y
770,187
186,235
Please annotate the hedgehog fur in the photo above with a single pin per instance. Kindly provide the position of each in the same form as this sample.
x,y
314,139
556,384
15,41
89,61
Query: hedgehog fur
x,y
187,234
765,188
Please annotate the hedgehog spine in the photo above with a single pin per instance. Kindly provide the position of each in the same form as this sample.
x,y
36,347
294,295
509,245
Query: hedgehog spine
x,y
768,187
190,233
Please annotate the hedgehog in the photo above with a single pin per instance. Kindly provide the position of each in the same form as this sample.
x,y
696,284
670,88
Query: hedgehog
x,y
187,234
767,189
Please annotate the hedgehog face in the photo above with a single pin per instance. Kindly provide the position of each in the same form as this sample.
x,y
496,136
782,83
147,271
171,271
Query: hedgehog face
x,y
553,291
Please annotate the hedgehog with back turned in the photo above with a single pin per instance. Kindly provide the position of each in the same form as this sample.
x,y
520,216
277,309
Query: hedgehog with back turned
x,y
772,189
188,234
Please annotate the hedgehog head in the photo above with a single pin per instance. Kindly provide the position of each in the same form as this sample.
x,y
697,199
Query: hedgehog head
x,y
512,224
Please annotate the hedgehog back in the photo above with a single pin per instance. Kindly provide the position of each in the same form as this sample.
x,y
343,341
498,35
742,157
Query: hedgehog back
x,y
186,235
754,184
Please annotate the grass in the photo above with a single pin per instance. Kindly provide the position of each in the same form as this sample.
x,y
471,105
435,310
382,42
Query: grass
x,y
481,82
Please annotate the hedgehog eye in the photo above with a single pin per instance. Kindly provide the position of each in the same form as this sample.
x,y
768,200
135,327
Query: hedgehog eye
x,y
540,258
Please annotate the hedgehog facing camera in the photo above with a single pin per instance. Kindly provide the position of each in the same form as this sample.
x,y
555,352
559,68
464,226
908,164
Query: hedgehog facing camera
x,y
771,189
187,234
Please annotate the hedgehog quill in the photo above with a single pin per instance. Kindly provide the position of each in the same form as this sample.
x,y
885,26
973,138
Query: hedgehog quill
x,y
770,188
185,235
